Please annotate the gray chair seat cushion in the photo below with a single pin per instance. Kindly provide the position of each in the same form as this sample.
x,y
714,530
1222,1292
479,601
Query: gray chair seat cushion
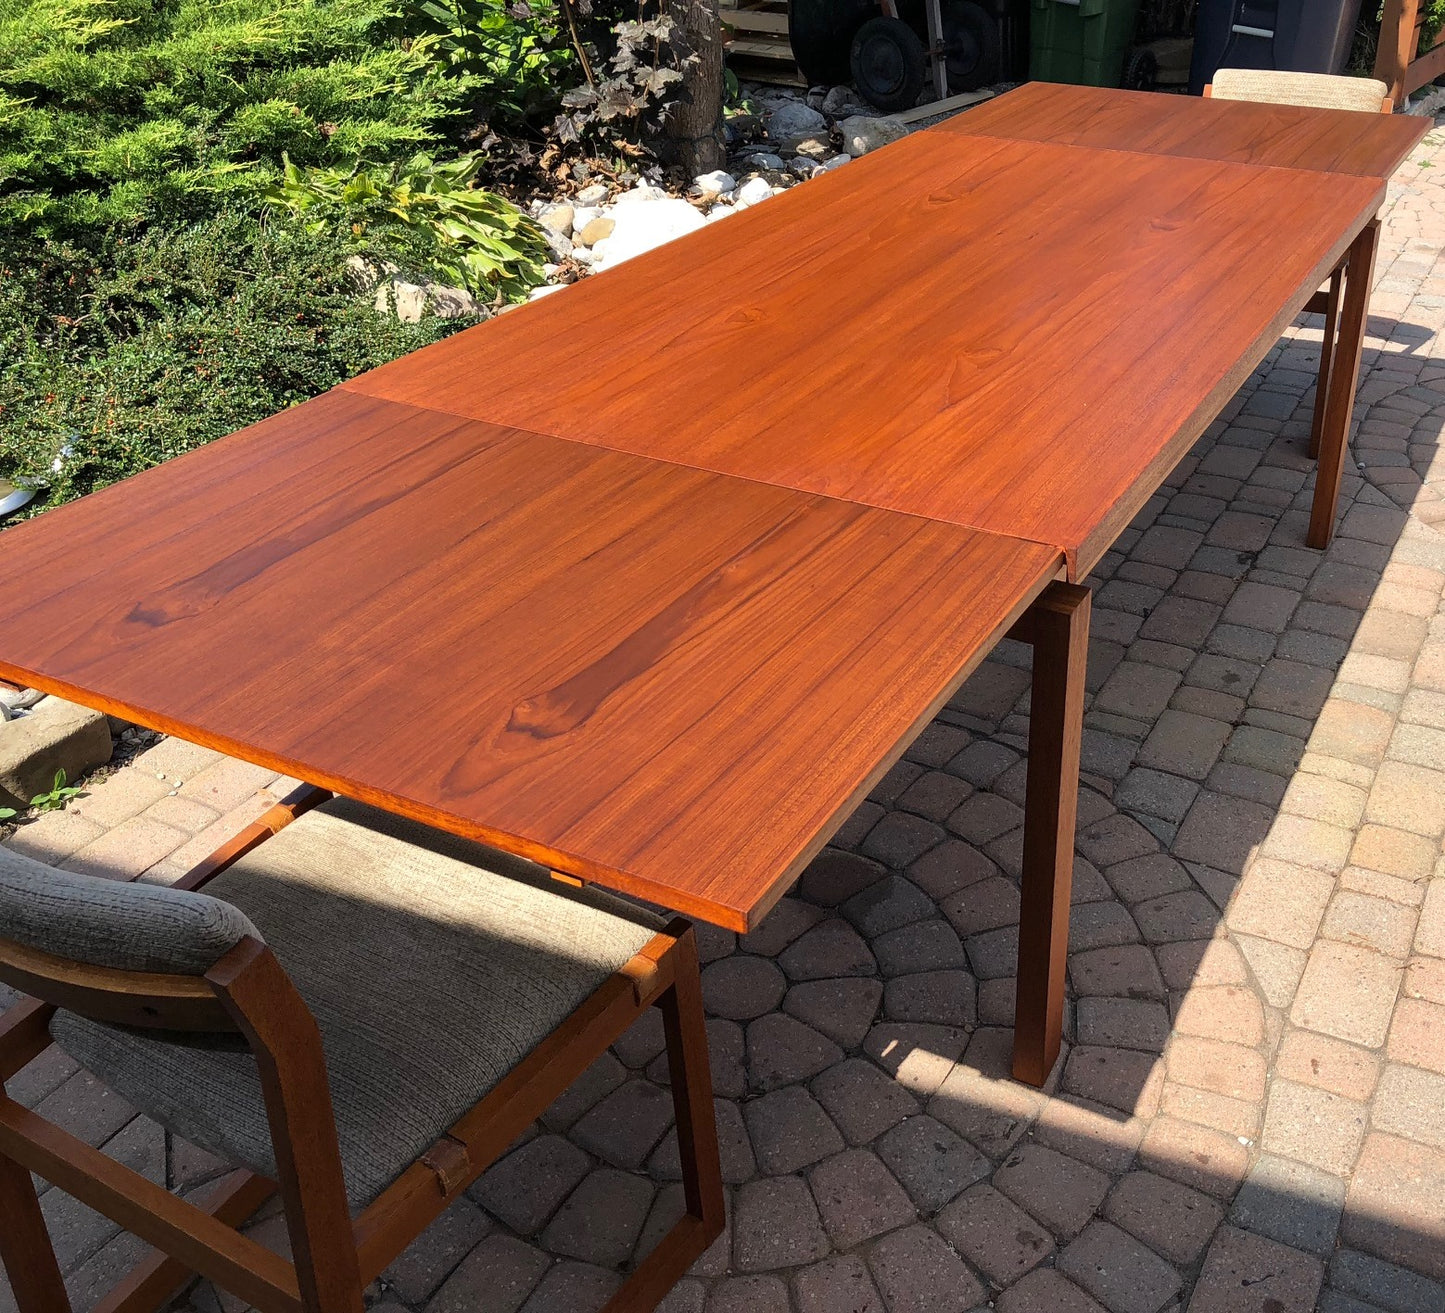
x,y
432,966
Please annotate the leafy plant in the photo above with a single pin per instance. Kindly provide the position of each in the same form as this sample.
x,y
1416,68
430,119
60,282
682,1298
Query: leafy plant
x,y
60,794
515,53
645,69
133,352
1433,13
7,813
468,235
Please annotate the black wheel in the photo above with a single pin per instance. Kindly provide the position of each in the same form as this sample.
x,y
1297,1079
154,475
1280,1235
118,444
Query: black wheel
x,y
971,39
888,64
1141,73
821,34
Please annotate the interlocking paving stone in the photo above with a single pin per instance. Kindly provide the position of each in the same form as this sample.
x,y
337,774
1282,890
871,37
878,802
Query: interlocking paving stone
x,y
496,1277
1059,1191
602,1218
1347,992
1245,1273
843,1010
782,1050
1124,1275
1293,1203
762,1294
862,1101
580,1287
918,1273
1411,1103
931,1163
831,948
952,866
994,1234
899,838
789,919
776,1225
924,946
742,987
424,1263
1195,1156
626,1125
1173,1220
526,1187
735,1148
834,876
943,998
1393,1206
1044,1291
790,1130
1384,1284
858,1198
837,1283
1122,971
1308,1058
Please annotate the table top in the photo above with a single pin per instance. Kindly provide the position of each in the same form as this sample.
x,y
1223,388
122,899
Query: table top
x,y
1014,335
668,681
1239,132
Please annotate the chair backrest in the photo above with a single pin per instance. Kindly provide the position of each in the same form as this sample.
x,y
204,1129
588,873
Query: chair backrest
x,y
1312,90
114,924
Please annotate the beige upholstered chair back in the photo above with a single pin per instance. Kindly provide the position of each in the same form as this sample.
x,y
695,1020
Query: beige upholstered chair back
x,y
1315,90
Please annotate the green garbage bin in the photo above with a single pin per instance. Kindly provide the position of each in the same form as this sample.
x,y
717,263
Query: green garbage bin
x,y
1081,41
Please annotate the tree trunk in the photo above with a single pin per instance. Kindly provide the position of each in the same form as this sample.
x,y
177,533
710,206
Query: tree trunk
x,y
693,135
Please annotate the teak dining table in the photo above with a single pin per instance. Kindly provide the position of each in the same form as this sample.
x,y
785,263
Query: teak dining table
x,y
658,612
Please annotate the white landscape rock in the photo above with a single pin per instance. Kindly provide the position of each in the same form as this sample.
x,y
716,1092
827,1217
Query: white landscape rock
x,y
595,193
717,183
557,218
642,223
753,191
862,133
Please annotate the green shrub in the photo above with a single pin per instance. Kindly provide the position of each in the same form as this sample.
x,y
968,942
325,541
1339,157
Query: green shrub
x,y
140,350
117,111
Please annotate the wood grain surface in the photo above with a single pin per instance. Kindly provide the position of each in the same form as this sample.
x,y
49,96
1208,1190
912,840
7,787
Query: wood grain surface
x,y
668,681
1018,336
1289,136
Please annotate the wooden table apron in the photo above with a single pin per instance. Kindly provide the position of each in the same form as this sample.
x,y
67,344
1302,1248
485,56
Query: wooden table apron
x,y
661,623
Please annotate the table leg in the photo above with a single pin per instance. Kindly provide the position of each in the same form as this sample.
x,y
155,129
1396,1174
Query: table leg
x,y
1327,353
1057,625
1344,374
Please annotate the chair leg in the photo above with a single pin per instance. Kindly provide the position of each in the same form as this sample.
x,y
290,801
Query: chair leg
x,y
687,1063
25,1246
1327,359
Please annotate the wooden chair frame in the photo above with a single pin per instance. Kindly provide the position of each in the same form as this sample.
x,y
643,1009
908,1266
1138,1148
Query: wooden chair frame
x,y
1399,63
335,1255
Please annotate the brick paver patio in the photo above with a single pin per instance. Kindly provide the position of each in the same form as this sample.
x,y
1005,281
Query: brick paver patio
x,y
1250,1113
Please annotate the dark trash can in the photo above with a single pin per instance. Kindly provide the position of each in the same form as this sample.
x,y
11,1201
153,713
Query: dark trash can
x,y
1297,36
1081,41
